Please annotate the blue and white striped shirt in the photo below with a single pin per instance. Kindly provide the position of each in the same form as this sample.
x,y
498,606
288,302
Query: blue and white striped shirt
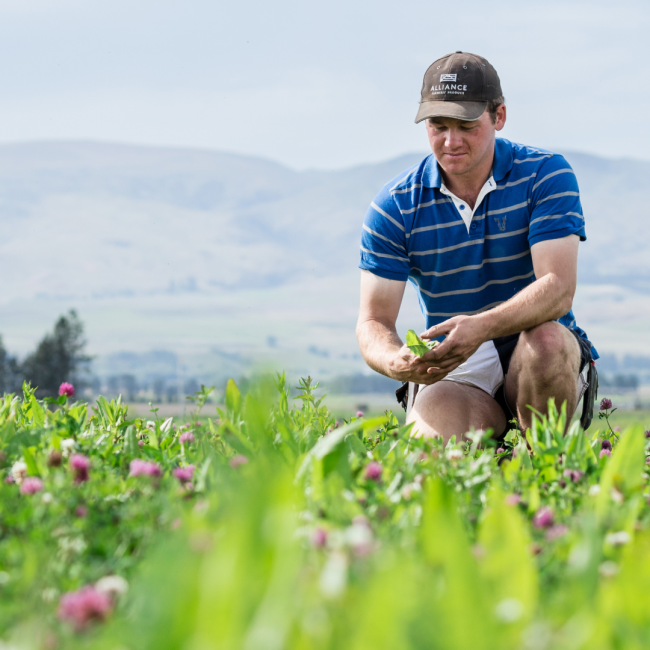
x,y
413,231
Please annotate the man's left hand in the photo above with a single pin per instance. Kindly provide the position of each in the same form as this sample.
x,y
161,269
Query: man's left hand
x,y
464,335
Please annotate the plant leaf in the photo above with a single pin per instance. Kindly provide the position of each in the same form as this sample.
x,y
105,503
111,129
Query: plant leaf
x,y
417,346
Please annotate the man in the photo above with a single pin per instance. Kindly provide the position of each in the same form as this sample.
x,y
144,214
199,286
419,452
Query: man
x,y
488,232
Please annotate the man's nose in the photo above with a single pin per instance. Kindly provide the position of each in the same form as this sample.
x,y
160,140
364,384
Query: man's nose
x,y
453,139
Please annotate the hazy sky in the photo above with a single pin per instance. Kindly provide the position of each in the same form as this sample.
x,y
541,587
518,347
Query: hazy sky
x,y
317,84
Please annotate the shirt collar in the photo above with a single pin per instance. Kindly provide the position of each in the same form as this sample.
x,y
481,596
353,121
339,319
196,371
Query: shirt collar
x,y
502,164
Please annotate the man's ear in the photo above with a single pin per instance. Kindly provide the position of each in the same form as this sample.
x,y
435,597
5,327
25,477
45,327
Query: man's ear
x,y
501,117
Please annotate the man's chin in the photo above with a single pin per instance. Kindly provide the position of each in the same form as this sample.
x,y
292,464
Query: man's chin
x,y
455,167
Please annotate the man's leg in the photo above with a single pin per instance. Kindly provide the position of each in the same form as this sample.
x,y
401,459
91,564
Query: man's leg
x,y
448,408
545,363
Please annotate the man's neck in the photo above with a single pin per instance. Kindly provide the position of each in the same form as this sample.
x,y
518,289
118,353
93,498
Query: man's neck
x,y
468,186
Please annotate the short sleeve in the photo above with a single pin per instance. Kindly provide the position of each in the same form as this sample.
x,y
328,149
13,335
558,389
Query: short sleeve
x,y
383,240
556,209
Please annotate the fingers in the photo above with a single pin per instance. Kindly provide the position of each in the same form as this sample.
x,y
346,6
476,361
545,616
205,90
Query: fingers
x,y
439,330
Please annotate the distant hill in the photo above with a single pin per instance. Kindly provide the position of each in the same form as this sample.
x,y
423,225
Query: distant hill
x,y
106,219
140,238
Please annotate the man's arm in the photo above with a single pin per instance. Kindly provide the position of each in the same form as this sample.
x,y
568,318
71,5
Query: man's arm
x,y
379,342
555,262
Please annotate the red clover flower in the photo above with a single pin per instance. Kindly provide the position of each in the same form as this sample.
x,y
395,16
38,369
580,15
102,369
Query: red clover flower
x,y
31,485
605,404
187,437
373,471
543,518
66,389
184,474
238,460
319,537
80,465
84,606
139,467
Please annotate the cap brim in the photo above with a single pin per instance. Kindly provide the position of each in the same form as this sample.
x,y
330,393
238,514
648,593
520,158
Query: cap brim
x,y
466,111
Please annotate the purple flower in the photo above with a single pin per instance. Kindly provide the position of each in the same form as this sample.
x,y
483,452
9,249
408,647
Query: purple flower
x,y
574,474
80,465
187,437
562,483
605,404
198,424
501,450
66,389
10,479
84,606
605,452
556,531
184,474
31,485
543,518
81,511
319,537
513,499
139,467
373,471
647,434
238,460
606,444
359,414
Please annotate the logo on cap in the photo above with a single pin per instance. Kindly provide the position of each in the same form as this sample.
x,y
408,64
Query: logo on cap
x,y
448,77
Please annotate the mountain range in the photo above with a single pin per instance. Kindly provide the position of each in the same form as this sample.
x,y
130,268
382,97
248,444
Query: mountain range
x,y
196,251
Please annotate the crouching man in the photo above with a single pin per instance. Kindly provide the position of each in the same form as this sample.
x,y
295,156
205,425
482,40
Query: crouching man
x,y
488,231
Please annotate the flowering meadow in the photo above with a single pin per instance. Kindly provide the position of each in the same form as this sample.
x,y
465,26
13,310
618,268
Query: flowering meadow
x,y
268,526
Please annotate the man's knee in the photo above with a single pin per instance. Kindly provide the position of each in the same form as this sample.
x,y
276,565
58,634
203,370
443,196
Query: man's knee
x,y
549,348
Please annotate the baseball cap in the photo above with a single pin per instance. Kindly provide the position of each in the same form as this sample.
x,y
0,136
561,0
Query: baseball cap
x,y
458,85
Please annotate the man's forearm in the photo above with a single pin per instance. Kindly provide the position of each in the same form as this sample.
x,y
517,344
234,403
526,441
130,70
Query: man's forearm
x,y
379,345
545,299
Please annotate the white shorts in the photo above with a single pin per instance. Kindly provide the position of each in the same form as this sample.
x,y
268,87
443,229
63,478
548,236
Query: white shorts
x,y
484,370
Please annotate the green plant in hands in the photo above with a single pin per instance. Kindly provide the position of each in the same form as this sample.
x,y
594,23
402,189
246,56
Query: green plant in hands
x,y
417,345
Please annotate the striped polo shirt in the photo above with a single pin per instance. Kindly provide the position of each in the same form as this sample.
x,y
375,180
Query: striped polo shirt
x,y
416,230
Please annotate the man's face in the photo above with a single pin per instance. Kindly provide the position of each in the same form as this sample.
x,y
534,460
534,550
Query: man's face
x,y
460,147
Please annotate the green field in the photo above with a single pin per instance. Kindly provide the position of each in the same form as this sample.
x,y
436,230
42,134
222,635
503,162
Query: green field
x,y
271,527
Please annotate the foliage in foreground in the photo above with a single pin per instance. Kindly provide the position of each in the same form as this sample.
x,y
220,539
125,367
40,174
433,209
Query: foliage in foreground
x,y
272,527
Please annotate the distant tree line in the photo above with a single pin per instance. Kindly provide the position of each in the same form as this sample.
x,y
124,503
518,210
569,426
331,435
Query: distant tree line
x,y
59,357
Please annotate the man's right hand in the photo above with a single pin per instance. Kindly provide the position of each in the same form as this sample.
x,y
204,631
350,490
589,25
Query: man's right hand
x,y
405,366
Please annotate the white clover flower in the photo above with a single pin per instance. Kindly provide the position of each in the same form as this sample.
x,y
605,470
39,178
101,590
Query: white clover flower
x,y
594,490
334,575
454,454
608,569
47,497
19,471
618,539
112,585
50,595
509,610
67,445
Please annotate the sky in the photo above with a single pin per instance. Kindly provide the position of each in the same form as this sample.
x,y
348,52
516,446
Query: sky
x,y
317,84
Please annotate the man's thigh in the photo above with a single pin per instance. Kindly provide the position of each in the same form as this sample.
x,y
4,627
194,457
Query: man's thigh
x,y
551,344
450,408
